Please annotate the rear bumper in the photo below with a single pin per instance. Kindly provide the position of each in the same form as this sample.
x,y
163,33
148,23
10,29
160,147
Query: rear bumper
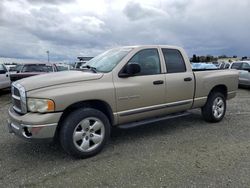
x,y
32,126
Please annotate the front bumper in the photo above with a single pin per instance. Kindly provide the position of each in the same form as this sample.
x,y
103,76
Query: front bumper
x,y
33,126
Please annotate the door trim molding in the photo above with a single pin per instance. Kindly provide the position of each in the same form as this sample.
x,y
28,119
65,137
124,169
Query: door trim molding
x,y
154,107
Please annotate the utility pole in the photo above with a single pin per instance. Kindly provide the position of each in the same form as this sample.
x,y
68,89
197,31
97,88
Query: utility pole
x,y
48,55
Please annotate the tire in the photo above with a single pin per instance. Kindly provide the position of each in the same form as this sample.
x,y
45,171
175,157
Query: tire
x,y
84,132
215,107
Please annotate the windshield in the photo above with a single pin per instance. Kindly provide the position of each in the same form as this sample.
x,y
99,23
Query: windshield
x,y
106,61
37,68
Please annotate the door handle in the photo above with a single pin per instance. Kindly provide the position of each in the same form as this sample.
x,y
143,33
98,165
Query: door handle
x,y
158,82
7,75
188,79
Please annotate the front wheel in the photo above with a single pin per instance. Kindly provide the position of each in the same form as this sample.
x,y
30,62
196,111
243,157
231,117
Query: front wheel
x,y
215,107
84,132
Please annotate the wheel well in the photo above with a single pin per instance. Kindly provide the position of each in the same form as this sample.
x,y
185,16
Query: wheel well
x,y
220,88
96,104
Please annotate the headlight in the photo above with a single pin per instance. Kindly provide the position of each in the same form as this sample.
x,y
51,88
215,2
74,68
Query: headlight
x,y
41,105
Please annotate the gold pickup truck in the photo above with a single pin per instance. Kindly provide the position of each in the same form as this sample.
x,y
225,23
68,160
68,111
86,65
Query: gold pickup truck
x,y
125,86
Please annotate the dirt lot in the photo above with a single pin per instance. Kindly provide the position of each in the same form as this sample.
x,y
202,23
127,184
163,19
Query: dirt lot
x,y
185,152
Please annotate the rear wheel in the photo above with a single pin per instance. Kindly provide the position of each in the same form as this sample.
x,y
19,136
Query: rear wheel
x,y
85,132
215,107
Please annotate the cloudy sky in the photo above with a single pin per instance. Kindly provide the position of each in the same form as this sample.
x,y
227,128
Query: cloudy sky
x,y
71,28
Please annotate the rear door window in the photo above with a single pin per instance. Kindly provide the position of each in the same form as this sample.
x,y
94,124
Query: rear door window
x,y
174,61
236,66
245,66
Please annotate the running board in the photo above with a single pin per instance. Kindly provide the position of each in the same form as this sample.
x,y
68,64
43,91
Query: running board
x,y
154,120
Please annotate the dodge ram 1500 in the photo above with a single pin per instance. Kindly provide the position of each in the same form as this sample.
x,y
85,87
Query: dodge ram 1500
x,y
121,87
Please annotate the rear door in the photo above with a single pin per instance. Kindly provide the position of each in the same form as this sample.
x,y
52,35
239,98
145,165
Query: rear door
x,y
179,81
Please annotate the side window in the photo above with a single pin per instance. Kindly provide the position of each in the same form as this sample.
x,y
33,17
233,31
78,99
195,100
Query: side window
x,y
245,66
174,61
2,67
236,66
148,60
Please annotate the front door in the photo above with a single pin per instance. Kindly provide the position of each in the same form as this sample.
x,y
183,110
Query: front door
x,y
138,96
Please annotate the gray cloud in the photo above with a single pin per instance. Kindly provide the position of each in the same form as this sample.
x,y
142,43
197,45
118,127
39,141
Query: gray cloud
x,y
50,1
135,11
207,27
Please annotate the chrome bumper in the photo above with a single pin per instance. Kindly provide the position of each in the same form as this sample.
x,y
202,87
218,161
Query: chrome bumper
x,y
32,130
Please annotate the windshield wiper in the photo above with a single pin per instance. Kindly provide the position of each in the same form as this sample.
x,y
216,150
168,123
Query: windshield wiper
x,y
90,68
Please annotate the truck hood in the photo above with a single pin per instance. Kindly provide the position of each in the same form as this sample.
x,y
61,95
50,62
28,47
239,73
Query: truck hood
x,y
58,78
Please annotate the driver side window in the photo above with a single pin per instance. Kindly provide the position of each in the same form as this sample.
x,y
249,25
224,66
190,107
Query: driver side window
x,y
148,60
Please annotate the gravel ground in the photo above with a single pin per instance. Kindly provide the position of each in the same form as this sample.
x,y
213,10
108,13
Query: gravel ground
x,y
184,152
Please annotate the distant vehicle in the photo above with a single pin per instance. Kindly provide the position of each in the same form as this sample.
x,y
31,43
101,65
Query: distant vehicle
x,y
81,62
10,66
224,65
227,65
203,66
217,64
12,69
16,69
4,77
62,67
27,70
244,72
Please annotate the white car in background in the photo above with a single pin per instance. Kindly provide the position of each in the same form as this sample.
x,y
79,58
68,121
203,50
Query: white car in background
x,y
244,72
4,77
10,66
62,67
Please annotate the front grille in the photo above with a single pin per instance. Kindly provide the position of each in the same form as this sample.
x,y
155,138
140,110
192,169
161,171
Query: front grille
x,y
18,105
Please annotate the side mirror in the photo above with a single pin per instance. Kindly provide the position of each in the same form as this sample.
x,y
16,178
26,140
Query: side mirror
x,y
130,70
3,71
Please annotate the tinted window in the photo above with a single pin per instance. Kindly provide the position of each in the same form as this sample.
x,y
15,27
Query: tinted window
x,y
227,66
174,61
236,66
148,60
18,68
245,66
37,68
79,64
62,68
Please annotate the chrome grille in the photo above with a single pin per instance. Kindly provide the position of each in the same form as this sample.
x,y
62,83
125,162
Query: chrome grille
x,y
18,101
